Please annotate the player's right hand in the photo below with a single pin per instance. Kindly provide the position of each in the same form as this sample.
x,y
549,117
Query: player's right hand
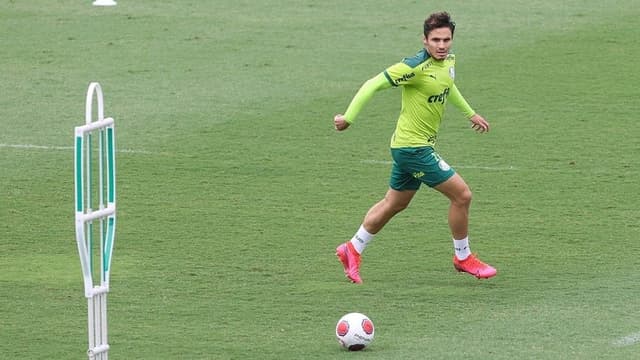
x,y
340,122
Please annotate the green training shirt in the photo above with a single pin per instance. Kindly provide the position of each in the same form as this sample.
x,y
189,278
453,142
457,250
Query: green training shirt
x,y
426,84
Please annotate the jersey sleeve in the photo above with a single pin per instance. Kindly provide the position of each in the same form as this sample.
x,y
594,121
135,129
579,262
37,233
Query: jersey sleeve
x,y
456,98
364,94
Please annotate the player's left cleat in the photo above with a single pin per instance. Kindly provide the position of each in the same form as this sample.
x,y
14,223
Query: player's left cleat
x,y
474,266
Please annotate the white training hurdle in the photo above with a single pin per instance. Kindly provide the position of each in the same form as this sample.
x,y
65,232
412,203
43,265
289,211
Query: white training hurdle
x,y
89,209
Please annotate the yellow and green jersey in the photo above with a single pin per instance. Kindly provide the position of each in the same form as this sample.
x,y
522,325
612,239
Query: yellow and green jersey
x,y
426,84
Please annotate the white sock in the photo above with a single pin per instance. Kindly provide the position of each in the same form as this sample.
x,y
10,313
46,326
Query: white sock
x,y
361,239
462,248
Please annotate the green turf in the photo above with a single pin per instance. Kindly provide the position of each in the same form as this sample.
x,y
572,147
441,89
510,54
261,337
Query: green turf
x,y
233,188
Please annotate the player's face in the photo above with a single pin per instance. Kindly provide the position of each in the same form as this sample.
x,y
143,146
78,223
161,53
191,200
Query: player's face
x,y
438,43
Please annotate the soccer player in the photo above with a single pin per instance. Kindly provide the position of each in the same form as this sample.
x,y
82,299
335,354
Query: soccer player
x,y
427,82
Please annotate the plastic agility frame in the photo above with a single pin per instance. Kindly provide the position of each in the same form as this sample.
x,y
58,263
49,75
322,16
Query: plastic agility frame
x,y
88,210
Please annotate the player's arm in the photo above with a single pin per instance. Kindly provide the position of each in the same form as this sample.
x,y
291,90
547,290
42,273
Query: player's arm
x,y
478,123
456,98
364,94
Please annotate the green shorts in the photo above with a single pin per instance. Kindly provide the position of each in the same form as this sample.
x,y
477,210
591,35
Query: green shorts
x,y
414,166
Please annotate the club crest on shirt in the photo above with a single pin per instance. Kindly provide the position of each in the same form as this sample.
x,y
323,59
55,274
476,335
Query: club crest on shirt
x,y
452,72
443,165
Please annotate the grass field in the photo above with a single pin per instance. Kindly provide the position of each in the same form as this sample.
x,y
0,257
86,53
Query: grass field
x,y
234,189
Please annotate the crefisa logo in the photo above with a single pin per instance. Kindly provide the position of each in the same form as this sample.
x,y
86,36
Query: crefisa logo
x,y
404,77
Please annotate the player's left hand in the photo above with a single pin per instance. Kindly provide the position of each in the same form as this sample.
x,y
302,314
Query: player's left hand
x,y
479,124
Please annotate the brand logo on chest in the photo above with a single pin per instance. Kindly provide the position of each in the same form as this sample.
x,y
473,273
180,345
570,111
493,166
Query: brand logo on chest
x,y
440,98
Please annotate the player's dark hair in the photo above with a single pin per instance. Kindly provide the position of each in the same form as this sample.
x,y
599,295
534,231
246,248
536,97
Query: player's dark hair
x,y
438,20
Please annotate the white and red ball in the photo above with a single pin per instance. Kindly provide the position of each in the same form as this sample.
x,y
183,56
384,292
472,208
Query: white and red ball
x,y
355,331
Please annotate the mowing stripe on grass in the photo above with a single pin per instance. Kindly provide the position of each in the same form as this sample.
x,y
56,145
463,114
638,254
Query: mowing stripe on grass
x,y
45,147
491,168
628,340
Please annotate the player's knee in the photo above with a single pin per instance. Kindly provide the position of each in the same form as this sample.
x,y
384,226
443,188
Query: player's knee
x,y
463,198
395,207
399,207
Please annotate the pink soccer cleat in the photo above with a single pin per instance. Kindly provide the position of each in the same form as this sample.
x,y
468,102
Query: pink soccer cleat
x,y
350,260
475,267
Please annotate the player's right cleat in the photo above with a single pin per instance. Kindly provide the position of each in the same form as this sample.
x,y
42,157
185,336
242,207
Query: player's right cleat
x,y
474,266
350,260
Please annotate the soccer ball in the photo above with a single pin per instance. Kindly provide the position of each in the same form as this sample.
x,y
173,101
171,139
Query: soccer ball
x,y
354,331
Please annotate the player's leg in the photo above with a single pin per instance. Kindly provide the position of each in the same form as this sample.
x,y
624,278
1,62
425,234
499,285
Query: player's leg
x,y
378,215
393,202
459,195
403,185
